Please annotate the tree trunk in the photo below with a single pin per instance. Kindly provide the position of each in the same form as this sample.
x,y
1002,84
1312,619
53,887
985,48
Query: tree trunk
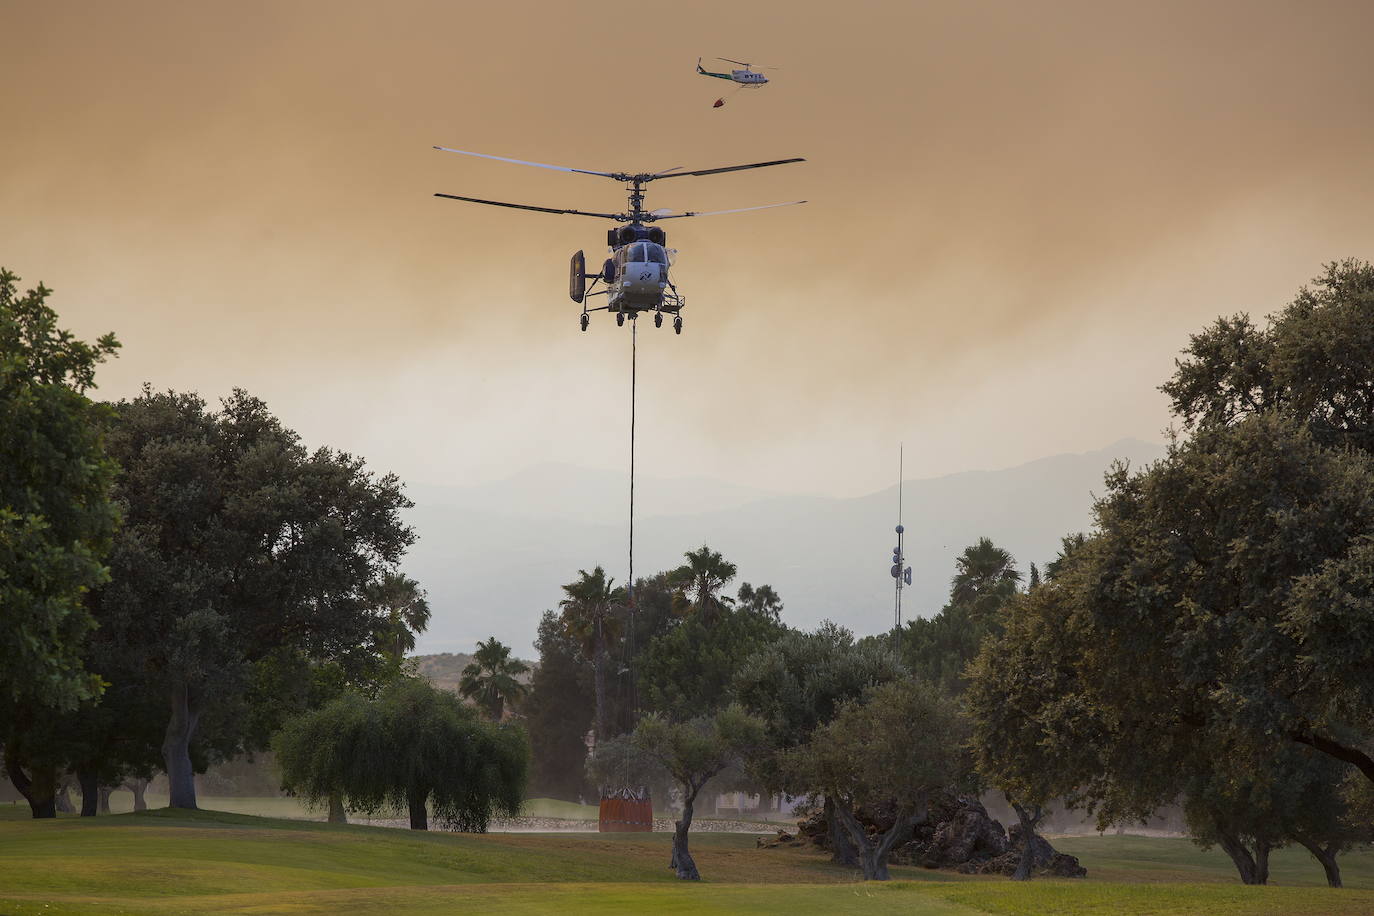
x,y
599,681
90,791
336,809
62,800
842,851
176,748
39,790
682,862
138,787
1326,855
1262,848
1028,821
1250,870
873,856
419,814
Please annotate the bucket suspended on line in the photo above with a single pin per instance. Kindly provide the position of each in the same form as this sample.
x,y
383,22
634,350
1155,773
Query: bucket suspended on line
x,y
626,811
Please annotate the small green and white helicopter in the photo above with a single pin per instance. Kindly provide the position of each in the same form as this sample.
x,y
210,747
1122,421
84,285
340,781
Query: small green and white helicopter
x,y
746,78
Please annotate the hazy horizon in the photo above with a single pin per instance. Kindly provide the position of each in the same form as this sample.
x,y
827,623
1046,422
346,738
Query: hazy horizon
x,y
1017,215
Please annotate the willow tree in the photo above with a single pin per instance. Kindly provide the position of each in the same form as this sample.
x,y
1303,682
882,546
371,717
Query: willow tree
x,y
414,748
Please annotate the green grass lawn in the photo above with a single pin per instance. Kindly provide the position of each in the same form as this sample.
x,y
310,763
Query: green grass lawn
x,y
214,862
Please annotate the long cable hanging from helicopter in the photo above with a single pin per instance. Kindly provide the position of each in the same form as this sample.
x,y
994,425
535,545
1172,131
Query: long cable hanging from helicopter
x,y
635,278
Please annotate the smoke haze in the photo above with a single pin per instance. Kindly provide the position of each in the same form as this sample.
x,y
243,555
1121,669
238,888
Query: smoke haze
x,y
1017,214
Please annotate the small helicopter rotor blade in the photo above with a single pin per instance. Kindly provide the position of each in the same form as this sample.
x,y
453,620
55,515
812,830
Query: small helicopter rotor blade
x,y
729,168
620,217
538,165
729,61
675,168
660,212
790,203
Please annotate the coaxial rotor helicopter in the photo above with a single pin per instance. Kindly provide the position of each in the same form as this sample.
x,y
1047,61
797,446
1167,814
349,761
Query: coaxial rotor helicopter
x,y
635,278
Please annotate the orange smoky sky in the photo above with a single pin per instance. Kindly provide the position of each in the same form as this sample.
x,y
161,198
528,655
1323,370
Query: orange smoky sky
x,y
1018,211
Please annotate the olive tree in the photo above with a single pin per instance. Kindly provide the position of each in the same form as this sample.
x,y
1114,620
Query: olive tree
x,y
693,753
795,683
904,741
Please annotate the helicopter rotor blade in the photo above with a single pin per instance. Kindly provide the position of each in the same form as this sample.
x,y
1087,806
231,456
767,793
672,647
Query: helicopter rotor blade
x,y
671,215
538,165
620,217
728,168
729,61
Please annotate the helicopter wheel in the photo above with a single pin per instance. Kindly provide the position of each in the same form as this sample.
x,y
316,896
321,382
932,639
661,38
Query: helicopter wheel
x,y
677,325
585,319
658,321
620,319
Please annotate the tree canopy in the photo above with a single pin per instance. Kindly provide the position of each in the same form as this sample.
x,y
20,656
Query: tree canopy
x,y
56,517
247,571
1313,363
901,743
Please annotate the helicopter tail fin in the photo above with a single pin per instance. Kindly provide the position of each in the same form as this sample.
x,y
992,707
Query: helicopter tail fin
x,y
699,67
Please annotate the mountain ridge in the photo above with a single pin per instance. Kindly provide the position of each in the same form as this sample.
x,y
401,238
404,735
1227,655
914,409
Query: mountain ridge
x,y
490,571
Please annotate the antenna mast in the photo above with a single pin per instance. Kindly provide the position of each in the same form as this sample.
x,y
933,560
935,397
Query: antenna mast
x,y
900,571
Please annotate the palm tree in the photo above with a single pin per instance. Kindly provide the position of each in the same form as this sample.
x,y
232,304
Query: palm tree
x,y
591,616
987,576
702,577
403,612
490,680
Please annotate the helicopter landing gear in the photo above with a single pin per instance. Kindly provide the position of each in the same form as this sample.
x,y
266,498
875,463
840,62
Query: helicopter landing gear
x,y
585,319
677,325
620,319
658,320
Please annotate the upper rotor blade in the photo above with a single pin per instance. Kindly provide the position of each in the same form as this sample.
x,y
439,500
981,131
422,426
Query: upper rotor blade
x,y
729,61
790,203
730,168
497,203
538,165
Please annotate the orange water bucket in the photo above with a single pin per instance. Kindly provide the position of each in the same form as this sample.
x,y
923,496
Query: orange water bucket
x,y
626,815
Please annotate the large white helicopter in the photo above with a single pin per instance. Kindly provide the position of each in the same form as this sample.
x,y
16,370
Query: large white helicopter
x,y
635,277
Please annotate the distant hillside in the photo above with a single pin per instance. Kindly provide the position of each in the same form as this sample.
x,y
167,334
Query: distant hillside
x,y
494,570
445,669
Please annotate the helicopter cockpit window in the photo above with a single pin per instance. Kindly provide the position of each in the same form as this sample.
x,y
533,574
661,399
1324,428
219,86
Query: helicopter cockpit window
x,y
655,254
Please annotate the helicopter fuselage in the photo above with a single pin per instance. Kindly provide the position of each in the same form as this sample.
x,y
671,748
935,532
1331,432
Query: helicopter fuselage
x,y
639,278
